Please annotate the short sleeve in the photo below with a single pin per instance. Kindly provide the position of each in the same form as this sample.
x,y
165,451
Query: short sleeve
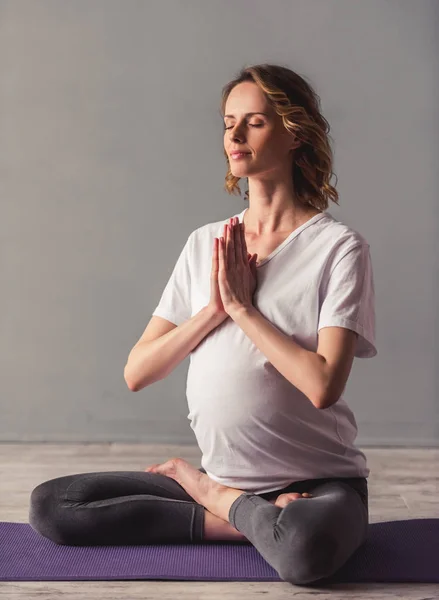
x,y
175,302
348,298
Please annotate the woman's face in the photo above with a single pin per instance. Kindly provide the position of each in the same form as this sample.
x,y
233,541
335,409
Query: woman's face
x,y
263,136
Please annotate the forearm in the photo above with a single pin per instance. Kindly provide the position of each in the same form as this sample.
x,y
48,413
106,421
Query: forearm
x,y
152,361
305,369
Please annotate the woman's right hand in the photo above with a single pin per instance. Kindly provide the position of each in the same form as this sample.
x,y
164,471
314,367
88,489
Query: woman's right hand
x,y
215,303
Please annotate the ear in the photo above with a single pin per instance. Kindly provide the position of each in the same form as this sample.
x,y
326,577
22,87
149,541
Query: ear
x,y
296,143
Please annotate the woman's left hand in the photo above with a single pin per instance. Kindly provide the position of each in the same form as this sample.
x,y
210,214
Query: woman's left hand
x,y
237,278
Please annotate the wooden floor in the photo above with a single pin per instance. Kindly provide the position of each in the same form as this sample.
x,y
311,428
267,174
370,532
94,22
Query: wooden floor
x,y
403,484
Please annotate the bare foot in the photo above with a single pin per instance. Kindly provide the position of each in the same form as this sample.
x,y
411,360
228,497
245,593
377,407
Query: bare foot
x,y
193,481
283,499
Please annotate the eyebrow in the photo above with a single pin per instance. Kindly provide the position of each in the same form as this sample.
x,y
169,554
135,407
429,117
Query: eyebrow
x,y
248,114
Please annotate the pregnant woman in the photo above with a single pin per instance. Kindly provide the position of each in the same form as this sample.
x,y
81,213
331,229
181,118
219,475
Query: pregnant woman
x,y
272,306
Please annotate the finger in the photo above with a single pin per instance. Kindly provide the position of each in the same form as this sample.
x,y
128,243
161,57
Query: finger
x,y
215,256
239,255
221,244
224,245
240,252
243,243
222,239
230,248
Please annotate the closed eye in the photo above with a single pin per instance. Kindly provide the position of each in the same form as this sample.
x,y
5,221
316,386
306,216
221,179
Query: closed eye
x,y
249,124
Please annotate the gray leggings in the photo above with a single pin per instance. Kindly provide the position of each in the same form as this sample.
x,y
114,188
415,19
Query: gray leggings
x,y
308,539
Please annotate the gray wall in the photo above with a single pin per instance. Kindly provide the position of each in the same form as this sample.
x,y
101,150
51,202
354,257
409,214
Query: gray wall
x,y
111,154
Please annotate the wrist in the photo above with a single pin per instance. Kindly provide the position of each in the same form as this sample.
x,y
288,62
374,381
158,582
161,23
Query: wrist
x,y
214,314
239,309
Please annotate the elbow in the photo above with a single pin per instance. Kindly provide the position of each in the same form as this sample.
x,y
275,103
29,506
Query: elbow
x,y
328,393
325,401
323,404
136,387
130,385
318,403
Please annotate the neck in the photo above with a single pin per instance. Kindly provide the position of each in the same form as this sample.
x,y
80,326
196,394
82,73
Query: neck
x,y
268,220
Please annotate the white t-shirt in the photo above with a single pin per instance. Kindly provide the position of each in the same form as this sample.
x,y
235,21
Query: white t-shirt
x,y
256,431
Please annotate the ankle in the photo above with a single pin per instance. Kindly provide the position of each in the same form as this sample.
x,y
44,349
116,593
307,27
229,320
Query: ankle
x,y
216,528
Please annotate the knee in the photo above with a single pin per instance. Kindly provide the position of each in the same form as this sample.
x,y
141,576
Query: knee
x,y
44,513
309,561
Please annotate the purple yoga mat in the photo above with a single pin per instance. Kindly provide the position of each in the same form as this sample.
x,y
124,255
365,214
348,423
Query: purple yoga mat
x,y
395,551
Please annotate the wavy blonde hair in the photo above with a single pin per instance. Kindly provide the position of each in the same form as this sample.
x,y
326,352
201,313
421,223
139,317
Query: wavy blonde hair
x,y
297,103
